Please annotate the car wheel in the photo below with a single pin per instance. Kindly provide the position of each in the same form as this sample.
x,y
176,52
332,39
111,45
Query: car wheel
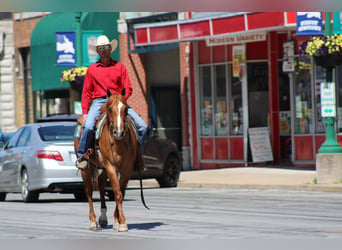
x,y
171,172
2,196
80,196
26,194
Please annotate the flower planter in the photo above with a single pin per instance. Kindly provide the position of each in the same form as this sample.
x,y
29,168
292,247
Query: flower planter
x,y
328,61
77,86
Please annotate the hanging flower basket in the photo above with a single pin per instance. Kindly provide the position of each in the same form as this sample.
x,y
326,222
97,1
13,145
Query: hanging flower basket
x,y
76,85
326,50
328,61
75,77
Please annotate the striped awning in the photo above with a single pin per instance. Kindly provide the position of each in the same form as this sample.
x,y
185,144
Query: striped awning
x,y
209,27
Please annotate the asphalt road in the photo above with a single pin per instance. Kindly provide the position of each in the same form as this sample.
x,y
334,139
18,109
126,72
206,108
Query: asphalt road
x,y
181,213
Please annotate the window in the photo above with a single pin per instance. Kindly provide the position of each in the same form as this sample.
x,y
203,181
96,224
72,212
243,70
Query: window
x,y
206,101
236,109
57,133
12,142
24,138
221,116
303,100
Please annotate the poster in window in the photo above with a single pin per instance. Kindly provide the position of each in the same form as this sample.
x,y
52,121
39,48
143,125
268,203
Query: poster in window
x,y
288,56
239,59
66,48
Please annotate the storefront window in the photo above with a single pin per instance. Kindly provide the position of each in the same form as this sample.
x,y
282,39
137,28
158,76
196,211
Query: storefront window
x,y
206,101
319,78
236,105
221,116
303,100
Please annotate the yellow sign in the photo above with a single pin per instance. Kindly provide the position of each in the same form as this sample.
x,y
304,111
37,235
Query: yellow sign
x,y
239,59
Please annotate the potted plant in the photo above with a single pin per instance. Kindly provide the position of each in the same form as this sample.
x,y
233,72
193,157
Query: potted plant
x,y
326,50
75,77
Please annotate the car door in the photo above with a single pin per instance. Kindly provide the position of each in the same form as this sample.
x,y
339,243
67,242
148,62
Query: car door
x,y
6,160
15,149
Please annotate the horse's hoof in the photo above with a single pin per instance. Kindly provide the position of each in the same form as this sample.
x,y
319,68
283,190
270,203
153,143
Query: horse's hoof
x,y
103,223
93,226
123,228
116,226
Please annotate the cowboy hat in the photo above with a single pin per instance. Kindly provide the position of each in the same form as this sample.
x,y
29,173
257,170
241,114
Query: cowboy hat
x,y
103,40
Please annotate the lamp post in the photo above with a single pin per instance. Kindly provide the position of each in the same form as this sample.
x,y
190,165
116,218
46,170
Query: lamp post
x,y
330,145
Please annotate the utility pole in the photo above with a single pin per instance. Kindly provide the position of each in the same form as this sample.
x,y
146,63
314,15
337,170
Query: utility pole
x,y
330,145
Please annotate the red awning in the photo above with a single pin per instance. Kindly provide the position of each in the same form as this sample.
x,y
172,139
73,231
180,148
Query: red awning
x,y
209,27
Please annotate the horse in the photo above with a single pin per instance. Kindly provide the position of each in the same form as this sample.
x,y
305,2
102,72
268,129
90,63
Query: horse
x,y
116,151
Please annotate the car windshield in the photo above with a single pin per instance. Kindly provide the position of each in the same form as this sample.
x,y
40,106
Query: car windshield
x,y
57,133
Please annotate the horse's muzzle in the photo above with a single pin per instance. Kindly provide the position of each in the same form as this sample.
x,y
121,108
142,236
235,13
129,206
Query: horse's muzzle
x,y
118,135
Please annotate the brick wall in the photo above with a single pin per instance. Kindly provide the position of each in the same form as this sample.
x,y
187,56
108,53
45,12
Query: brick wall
x,y
135,67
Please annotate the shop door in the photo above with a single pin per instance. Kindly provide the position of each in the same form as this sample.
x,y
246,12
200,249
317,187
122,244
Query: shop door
x,y
284,116
166,113
258,104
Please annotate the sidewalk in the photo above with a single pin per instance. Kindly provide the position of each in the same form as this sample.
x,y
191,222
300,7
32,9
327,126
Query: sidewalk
x,y
250,178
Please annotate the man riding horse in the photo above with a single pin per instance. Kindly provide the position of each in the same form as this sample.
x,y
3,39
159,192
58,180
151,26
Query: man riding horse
x,y
104,74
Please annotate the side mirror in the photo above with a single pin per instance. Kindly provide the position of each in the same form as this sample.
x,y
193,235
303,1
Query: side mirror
x,y
153,133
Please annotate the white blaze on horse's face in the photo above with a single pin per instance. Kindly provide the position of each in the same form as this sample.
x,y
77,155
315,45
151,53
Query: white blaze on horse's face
x,y
120,124
119,131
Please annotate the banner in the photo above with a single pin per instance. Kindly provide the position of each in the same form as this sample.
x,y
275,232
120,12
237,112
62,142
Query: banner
x,y
337,25
239,59
65,48
89,56
309,23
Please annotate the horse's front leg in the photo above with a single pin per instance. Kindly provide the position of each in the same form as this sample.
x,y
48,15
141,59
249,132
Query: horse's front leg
x,y
103,221
118,223
88,187
119,217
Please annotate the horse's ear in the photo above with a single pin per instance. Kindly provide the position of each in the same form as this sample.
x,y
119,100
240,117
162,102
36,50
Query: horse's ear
x,y
108,93
123,92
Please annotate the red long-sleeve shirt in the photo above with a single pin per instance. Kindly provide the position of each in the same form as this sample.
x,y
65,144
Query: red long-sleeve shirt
x,y
99,77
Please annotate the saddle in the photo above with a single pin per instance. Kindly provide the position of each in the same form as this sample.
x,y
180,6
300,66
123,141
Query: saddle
x,y
93,154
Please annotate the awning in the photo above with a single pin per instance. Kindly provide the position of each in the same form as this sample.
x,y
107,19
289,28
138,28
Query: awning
x,y
45,73
209,27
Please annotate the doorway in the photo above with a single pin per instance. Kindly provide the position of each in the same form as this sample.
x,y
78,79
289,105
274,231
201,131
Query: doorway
x,y
166,113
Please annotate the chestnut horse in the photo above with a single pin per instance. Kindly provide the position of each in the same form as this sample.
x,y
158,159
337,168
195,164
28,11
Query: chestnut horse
x,y
118,154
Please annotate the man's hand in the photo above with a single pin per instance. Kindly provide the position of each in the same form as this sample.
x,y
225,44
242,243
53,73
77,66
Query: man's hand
x,y
82,119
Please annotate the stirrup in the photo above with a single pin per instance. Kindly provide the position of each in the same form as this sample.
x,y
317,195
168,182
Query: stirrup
x,y
81,163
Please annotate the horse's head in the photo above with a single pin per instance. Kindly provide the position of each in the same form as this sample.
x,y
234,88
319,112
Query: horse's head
x,y
116,113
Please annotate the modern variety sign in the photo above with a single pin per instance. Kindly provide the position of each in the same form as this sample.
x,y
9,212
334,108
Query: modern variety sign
x,y
65,48
309,23
237,38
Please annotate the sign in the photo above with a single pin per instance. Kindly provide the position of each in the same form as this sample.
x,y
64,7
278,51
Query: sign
x,y
234,39
328,100
239,59
66,48
337,24
260,144
288,56
89,56
309,23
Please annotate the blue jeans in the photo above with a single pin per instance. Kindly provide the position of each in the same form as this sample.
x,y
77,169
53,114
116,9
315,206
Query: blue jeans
x,y
89,125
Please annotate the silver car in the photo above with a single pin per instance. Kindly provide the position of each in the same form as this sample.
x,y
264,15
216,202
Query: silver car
x,y
40,157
